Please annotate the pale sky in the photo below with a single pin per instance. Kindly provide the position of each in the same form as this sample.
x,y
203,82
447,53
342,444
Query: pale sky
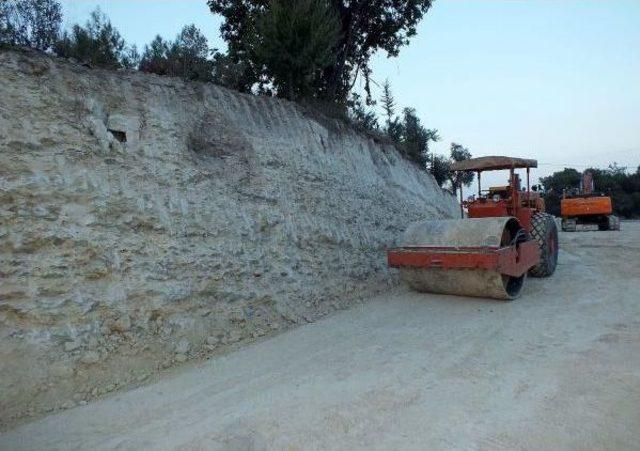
x,y
558,81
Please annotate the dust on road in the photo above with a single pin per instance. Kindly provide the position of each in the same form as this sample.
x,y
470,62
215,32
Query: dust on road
x,y
558,368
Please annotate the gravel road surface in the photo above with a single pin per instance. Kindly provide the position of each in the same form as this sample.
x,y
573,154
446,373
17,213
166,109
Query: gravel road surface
x,y
559,368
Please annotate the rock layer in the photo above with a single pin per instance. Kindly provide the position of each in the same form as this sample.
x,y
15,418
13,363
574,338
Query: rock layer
x,y
144,221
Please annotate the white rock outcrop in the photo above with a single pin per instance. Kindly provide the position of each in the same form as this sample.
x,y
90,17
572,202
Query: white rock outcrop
x,y
139,213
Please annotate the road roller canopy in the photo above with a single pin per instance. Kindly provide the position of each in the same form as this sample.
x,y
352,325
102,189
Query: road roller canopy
x,y
493,163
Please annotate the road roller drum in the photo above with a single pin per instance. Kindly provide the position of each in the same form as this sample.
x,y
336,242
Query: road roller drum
x,y
468,257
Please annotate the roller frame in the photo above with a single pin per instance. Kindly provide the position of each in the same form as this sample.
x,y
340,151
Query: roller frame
x,y
513,260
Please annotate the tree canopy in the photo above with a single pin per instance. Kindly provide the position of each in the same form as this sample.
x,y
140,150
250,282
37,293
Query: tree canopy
x,y
293,43
460,178
186,57
365,26
98,43
33,23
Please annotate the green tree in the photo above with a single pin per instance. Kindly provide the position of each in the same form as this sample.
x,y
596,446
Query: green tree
x,y
555,184
611,181
360,115
393,126
33,23
293,44
561,180
458,178
229,73
154,57
366,26
415,138
388,102
440,168
394,130
130,58
188,57
98,43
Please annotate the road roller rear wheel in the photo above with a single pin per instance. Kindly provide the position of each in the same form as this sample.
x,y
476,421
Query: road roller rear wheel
x,y
545,232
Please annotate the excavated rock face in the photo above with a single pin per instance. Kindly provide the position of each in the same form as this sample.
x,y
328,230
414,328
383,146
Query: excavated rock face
x,y
144,221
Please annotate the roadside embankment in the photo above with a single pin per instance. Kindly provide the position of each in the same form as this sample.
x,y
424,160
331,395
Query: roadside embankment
x,y
146,221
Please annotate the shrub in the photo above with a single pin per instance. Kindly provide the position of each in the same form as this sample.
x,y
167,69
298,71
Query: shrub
x,y
360,116
98,43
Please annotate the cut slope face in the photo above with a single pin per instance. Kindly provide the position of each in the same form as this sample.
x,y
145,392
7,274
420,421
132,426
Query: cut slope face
x,y
145,220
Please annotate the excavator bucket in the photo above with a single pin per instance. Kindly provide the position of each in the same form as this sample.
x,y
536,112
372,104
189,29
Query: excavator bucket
x,y
482,257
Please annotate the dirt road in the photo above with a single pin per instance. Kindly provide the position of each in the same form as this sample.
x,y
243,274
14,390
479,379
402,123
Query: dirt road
x,y
558,368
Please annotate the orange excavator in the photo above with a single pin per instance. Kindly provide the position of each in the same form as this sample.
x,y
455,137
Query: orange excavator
x,y
582,209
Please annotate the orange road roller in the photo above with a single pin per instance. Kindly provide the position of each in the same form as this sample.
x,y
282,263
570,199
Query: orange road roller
x,y
505,236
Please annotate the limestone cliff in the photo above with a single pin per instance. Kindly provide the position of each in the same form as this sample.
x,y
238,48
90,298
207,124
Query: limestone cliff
x,y
144,221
